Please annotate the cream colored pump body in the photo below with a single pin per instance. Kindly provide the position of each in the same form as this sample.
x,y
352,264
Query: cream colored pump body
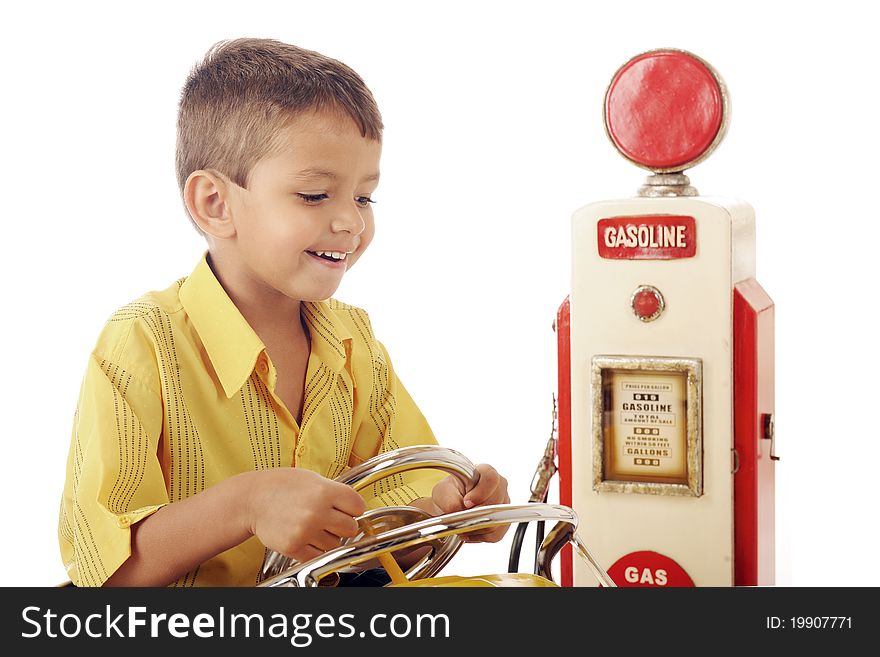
x,y
696,531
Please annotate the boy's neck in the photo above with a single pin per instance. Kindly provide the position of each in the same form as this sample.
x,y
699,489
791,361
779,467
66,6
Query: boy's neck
x,y
269,313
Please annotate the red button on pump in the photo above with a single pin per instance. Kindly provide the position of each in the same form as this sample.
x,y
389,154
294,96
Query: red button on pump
x,y
647,303
666,110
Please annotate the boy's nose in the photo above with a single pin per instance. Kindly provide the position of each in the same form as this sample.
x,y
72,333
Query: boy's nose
x,y
349,220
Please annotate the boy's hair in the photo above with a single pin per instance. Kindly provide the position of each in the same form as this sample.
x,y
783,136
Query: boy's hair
x,y
244,92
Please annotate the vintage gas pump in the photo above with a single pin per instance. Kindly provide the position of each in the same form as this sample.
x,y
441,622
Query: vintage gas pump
x,y
666,400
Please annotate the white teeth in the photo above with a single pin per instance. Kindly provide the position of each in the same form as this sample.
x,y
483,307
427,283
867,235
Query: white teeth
x,y
336,255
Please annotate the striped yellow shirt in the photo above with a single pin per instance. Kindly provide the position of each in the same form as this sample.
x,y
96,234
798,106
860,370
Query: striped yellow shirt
x,y
179,395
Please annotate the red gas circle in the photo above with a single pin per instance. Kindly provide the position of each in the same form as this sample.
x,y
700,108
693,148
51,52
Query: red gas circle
x,y
645,569
664,110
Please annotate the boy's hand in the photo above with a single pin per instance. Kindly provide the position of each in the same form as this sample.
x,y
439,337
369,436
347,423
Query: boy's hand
x,y
299,513
450,495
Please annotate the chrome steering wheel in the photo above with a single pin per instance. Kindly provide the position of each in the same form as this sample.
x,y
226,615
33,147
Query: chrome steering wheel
x,y
386,530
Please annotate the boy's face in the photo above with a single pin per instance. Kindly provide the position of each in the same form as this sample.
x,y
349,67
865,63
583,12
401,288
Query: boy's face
x,y
313,196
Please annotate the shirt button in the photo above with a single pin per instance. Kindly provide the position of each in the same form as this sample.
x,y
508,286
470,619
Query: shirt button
x,y
262,365
125,521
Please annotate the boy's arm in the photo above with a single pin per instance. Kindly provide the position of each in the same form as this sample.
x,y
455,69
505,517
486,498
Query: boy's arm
x,y
117,525
295,511
114,477
179,536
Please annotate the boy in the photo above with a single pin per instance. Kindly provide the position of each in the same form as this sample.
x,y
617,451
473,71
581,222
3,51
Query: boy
x,y
198,399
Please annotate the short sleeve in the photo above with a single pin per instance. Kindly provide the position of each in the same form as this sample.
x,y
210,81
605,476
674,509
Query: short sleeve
x,y
114,478
405,426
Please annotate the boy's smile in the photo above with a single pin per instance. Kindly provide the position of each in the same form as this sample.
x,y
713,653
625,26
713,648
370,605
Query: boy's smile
x,y
305,217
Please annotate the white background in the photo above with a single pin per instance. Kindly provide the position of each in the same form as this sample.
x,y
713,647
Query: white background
x,y
494,137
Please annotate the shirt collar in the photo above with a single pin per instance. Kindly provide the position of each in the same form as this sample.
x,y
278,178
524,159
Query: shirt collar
x,y
230,342
331,338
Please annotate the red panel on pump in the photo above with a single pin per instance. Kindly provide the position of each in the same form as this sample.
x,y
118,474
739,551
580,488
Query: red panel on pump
x,y
563,445
753,482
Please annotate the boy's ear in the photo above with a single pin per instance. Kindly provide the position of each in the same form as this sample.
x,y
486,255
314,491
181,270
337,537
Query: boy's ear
x,y
206,194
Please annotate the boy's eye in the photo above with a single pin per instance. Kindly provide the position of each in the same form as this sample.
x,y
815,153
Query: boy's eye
x,y
312,198
363,201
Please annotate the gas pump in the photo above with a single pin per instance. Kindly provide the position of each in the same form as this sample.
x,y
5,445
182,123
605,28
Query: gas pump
x,y
666,394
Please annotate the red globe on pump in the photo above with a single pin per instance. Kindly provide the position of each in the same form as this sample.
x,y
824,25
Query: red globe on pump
x,y
666,448
666,110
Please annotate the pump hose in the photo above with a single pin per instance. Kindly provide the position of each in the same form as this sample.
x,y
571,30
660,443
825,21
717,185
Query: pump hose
x,y
540,485
516,545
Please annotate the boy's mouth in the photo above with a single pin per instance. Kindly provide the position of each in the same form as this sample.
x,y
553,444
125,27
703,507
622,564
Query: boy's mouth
x,y
332,256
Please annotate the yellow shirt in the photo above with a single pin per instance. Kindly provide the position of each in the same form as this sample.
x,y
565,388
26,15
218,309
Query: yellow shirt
x,y
179,395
